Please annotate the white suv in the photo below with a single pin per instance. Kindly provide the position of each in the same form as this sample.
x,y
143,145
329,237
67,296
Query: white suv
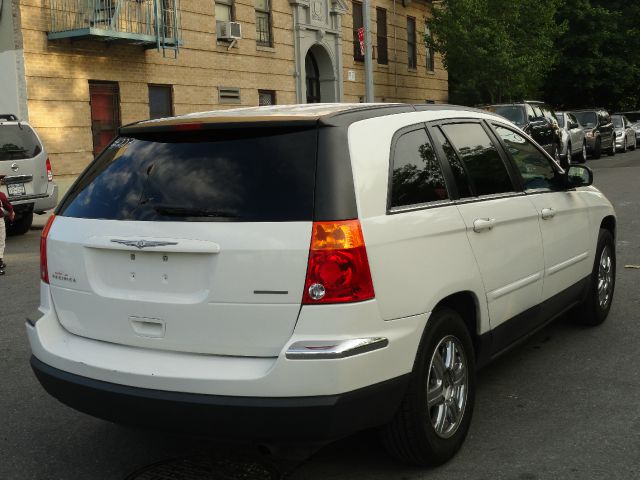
x,y
25,173
298,273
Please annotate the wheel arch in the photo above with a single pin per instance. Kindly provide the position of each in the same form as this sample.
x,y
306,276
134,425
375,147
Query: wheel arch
x,y
467,304
609,223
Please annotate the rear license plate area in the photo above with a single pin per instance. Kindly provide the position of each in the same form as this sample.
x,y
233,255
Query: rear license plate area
x,y
16,190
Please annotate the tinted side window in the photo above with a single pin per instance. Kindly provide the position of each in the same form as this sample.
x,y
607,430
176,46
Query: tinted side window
x,y
18,142
536,169
416,177
457,168
247,175
480,157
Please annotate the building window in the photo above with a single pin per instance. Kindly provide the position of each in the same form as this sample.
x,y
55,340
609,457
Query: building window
x,y
411,42
357,24
266,97
224,11
381,27
431,59
104,100
160,101
263,23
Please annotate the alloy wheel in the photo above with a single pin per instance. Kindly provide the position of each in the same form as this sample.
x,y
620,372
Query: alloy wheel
x,y
605,277
447,387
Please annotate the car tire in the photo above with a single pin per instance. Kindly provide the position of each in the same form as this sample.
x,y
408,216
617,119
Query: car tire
x,y
444,375
21,225
569,156
624,146
595,307
612,150
635,144
597,149
556,154
583,154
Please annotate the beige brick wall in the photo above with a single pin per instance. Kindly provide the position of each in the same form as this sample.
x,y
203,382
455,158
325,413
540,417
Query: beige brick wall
x,y
58,72
395,82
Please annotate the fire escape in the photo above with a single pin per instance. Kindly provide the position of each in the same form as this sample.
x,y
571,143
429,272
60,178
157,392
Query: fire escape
x,y
149,23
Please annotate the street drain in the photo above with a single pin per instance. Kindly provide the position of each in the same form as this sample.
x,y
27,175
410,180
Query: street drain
x,y
205,468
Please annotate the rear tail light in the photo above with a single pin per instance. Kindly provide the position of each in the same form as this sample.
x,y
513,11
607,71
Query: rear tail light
x,y
338,269
49,171
44,270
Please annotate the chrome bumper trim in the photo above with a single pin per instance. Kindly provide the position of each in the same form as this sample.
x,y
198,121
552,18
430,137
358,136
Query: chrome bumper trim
x,y
328,349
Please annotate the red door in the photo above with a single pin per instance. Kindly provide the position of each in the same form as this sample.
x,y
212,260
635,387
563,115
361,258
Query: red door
x,y
105,113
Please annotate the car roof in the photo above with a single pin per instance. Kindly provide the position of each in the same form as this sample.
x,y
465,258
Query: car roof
x,y
329,114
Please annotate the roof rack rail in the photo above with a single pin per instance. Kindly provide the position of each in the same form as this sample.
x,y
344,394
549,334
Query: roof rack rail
x,y
8,117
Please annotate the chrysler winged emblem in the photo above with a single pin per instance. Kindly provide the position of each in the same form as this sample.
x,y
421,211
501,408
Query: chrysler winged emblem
x,y
140,244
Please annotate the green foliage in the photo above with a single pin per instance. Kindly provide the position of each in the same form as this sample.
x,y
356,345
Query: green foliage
x,y
598,63
496,50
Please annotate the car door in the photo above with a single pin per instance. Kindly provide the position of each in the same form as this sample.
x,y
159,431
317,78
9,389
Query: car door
x,y
502,227
563,213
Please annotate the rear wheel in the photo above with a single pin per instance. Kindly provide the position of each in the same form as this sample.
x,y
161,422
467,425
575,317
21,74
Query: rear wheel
x,y
434,417
635,143
595,308
20,225
612,150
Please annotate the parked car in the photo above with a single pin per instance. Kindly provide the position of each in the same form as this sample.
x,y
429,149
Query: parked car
x,y
574,145
625,134
28,179
536,119
598,130
634,118
299,273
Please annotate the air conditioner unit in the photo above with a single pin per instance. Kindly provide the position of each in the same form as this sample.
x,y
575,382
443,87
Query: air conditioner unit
x,y
229,30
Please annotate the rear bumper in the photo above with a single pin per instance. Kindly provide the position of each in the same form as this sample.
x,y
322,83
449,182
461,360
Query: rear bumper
x,y
306,419
41,202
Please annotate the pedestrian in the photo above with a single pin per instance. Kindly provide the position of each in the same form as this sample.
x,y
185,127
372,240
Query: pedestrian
x,y
4,205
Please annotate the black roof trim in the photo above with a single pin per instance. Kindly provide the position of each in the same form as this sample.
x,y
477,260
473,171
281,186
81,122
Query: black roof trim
x,y
136,128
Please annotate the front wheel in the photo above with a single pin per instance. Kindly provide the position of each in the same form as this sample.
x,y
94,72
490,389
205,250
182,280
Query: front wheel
x,y
583,155
612,151
434,417
635,143
595,307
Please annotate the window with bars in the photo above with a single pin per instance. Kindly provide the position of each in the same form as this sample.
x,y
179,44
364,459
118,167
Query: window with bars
x,y
266,97
430,53
263,23
357,24
381,27
411,43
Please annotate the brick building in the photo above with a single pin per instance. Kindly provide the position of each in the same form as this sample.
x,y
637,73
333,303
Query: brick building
x,y
77,69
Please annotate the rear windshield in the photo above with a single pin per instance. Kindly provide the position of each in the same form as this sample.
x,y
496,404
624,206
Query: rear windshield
x,y
586,119
512,113
254,176
18,142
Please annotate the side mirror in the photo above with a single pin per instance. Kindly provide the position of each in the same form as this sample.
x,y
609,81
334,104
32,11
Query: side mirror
x,y
579,176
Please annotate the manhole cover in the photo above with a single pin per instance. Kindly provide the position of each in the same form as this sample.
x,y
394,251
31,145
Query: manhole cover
x,y
202,468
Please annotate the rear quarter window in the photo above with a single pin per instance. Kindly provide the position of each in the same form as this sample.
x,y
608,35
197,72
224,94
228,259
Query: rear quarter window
x,y
253,176
18,142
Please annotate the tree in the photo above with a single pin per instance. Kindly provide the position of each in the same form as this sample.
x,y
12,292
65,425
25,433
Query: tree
x,y
598,64
495,50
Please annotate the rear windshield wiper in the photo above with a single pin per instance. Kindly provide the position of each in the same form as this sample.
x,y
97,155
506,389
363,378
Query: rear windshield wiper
x,y
192,212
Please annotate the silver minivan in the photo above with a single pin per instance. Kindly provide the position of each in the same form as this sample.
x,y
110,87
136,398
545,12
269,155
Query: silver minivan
x,y
25,173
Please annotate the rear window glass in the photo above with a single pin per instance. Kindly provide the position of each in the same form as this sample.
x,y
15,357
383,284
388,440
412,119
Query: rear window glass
x,y
587,119
205,176
18,142
514,114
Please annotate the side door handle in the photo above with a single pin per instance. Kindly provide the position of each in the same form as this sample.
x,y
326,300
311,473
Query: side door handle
x,y
483,224
548,213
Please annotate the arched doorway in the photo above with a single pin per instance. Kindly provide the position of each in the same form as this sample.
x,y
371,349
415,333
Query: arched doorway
x,y
313,78
320,76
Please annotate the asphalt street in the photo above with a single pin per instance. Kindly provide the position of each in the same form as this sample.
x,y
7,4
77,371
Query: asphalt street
x,y
563,405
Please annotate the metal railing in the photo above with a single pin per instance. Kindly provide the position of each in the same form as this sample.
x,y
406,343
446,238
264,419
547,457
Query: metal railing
x,y
151,18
